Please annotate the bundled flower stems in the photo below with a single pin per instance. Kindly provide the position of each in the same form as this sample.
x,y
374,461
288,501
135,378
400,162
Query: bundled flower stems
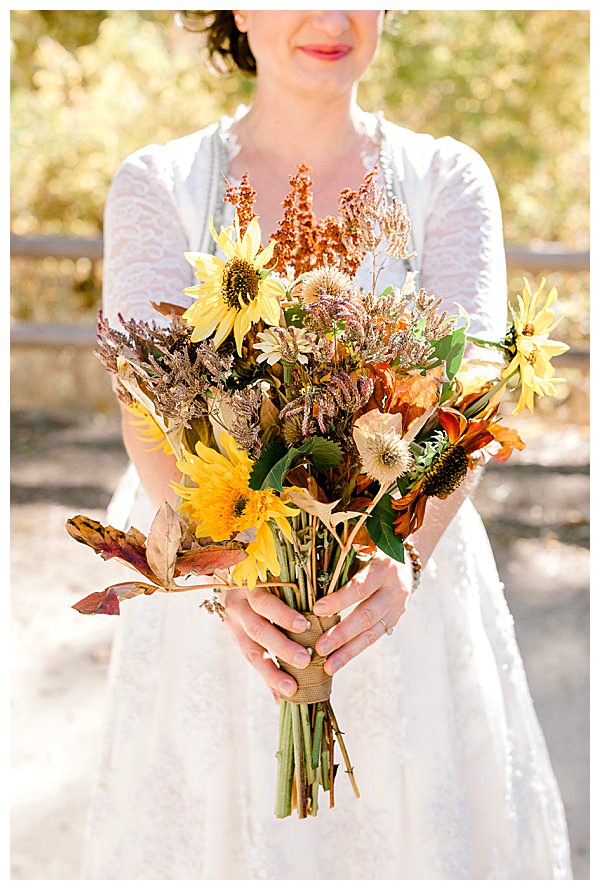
x,y
311,421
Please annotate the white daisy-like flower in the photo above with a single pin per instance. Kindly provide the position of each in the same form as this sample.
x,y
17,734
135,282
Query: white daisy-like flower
x,y
384,452
297,347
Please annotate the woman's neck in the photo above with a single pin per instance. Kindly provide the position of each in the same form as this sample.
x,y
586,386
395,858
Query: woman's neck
x,y
282,134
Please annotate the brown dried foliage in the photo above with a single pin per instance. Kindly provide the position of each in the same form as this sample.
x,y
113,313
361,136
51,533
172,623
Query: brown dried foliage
x,y
243,197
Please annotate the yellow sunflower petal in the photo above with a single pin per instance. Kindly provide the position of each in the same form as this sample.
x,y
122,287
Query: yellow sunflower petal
x,y
265,256
251,240
225,326
223,239
205,264
271,309
241,327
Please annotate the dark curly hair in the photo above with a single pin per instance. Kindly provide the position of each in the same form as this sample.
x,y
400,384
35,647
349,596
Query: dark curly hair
x,y
228,48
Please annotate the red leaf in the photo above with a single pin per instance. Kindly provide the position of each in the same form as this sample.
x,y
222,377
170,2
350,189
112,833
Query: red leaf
x,y
111,543
106,602
206,560
103,602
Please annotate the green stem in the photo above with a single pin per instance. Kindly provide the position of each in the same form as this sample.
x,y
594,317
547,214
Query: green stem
x,y
473,409
355,530
479,342
305,720
299,761
339,736
288,590
285,763
318,733
325,768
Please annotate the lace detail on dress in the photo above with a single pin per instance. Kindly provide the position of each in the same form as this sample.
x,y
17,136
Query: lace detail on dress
x,y
463,252
144,240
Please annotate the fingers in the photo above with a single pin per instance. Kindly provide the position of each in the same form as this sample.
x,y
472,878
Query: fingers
x,y
362,618
358,588
269,637
271,607
355,646
259,658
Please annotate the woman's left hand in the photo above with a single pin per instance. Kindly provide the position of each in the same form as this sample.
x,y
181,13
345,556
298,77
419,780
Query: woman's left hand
x,y
381,589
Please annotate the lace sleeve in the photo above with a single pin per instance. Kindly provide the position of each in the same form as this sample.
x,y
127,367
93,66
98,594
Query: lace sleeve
x,y
144,240
463,254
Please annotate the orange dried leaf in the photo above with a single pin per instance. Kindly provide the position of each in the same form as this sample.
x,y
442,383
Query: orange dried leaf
x,y
111,543
206,560
415,394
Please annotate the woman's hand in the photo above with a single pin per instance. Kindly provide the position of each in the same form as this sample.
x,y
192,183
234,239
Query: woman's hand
x,y
248,617
382,589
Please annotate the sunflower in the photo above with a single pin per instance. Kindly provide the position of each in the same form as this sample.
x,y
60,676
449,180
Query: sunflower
x,y
532,348
149,429
223,505
234,293
448,471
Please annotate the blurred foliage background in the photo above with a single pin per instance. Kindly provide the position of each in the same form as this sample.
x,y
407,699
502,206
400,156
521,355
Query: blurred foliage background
x,y
89,87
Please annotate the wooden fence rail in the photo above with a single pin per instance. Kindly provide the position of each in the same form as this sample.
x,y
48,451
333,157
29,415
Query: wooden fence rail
x,y
549,257
544,259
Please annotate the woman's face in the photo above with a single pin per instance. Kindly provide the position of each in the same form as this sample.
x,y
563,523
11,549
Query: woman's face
x,y
322,51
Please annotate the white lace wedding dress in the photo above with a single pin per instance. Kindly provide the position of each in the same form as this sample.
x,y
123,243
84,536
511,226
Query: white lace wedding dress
x,y
454,773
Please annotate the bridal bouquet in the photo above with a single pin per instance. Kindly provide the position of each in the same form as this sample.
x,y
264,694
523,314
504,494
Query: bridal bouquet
x,y
311,422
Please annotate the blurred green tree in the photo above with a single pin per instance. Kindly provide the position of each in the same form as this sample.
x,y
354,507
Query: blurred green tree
x,y
89,87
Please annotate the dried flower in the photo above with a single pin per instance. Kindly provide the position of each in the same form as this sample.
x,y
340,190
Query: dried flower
x,y
289,345
396,226
242,197
326,280
385,454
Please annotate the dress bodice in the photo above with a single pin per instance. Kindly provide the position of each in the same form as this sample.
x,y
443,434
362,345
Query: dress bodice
x,y
162,196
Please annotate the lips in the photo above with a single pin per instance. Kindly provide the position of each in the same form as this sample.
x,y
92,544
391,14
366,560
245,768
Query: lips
x,y
327,52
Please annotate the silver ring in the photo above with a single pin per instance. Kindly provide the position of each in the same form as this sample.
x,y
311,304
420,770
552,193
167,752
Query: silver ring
x,y
389,630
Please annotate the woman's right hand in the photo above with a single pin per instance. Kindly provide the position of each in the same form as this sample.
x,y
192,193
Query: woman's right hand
x,y
250,617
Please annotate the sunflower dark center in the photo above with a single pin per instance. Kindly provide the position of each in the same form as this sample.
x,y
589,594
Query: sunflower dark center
x,y
446,474
240,282
239,505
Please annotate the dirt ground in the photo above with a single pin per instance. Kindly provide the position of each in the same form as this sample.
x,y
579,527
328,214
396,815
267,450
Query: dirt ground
x,y
536,510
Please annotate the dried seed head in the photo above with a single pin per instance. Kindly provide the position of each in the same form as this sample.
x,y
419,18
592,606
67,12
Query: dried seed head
x,y
385,456
326,280
446,474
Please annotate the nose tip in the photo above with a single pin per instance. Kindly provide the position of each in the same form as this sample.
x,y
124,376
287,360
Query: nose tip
x,y
332,21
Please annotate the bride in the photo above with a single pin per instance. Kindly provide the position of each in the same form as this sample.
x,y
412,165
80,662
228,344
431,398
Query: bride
x,y
455,777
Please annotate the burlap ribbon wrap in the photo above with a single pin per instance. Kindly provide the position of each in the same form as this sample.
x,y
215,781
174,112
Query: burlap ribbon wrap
x,y
314,685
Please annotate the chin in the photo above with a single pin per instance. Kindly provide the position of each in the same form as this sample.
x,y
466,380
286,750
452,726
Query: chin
x,y
325,83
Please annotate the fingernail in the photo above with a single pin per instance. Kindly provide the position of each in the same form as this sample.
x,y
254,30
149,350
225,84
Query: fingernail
x,y
325,647
286,687
301,624
302,659
334,664
319,608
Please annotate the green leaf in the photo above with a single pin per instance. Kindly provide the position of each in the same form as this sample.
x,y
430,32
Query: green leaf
x,y
270,456
451,349
322,453
387,291
380,527
294,316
